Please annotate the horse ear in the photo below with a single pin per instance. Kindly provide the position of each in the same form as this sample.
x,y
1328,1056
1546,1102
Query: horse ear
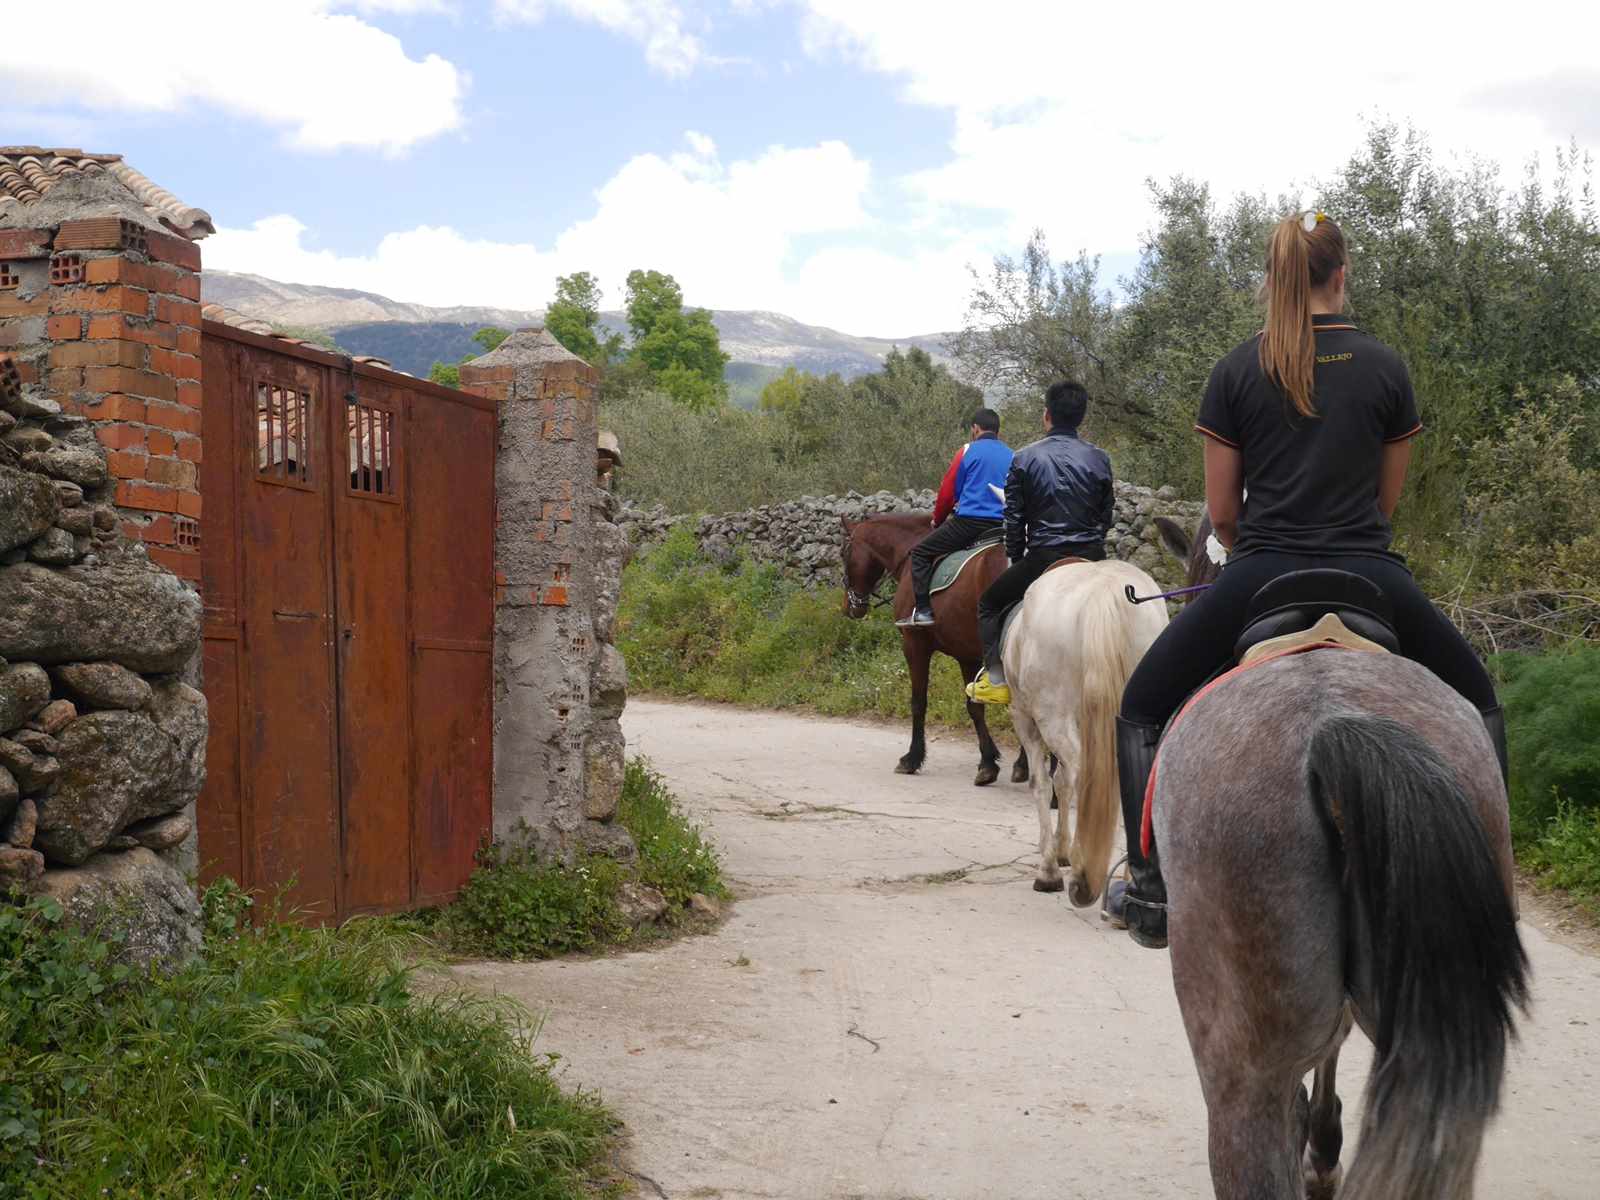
x,y
846,524
1174,538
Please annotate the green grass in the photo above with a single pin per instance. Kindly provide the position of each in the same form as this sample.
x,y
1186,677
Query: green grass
x,y
285,1062
745,634
516,906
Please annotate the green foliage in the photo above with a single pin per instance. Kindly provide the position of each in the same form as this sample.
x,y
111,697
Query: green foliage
x,y
449,374
519,906
1552,702
747,635
893,430
1565,853
285,1062
573,319
307,333
678,350
674,856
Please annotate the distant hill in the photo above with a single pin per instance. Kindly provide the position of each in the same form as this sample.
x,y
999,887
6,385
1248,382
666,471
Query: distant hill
x,y
415,336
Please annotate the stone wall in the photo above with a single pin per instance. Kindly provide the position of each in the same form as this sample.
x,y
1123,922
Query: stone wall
x,y
102,736
803,536
559,683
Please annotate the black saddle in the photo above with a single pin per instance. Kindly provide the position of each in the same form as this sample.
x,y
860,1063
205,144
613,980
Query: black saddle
x,y
1295,602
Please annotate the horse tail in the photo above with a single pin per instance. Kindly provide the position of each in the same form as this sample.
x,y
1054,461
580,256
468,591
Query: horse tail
x,y
1433,942
1106,645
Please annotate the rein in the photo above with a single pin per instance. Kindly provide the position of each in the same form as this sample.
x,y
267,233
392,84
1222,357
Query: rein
x,y
874,599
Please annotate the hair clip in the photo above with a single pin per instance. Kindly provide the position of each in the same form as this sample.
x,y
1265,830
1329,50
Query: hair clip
x,y
1311,220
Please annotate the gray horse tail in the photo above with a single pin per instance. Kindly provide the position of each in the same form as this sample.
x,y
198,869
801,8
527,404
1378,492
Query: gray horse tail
x,y
1432,947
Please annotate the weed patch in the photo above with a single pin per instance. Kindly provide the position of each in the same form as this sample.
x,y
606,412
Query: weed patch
x,y
284,1062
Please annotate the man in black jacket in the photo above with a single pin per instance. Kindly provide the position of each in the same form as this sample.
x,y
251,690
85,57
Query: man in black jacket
x,y
1059,498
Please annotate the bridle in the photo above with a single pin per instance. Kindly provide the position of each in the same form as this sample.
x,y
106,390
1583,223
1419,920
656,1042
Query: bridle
x,y
875,598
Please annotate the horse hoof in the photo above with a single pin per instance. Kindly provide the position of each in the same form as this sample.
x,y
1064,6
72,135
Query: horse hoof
x,y
1049,885
907,768
1079,893
987,774
1019,773
1323,1186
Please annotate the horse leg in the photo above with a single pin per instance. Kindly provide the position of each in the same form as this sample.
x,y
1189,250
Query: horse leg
x,y
988,752
1049,877
1019,769
917,655
1325,1134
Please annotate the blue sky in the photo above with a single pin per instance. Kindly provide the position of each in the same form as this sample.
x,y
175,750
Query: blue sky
x,y
843,161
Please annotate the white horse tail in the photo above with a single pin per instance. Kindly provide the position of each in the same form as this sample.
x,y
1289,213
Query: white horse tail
x,y
1108,646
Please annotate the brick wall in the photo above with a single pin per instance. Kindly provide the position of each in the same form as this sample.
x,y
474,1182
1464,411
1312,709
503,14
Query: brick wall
x,y
101,318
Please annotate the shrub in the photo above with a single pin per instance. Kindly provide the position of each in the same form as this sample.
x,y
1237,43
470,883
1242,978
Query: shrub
x,y
1552,702
674,857
516,906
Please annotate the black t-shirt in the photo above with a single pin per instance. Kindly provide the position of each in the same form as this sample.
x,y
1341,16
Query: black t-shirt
x,y
1313,481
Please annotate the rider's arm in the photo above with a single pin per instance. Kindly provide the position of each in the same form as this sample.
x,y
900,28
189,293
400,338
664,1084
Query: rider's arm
x,y
1016,508
946,503
1392,475
1224,489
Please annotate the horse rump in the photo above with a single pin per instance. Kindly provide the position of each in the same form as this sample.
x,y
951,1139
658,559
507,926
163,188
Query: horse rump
x,y
1434,957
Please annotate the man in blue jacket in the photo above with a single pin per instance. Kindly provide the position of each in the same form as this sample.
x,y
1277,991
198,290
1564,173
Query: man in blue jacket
x,y
1059,499
970,507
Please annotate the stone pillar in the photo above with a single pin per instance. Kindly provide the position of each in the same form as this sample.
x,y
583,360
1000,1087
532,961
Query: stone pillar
x,y
557,757
102,743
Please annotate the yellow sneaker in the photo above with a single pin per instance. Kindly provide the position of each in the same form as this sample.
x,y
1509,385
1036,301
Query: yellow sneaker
x,y
984,692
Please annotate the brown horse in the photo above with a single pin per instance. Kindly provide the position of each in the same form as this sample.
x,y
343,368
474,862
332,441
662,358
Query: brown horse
x,y
879,549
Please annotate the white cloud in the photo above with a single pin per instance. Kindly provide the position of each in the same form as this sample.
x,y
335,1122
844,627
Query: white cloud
x,y
731,234
328,78
657,25
1062,111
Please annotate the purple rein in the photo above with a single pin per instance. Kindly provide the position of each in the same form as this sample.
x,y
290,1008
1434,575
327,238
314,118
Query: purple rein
x,y
1184,591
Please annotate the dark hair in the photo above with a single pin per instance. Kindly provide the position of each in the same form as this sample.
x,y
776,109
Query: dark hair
x,y
987,420
1066,402
1298,260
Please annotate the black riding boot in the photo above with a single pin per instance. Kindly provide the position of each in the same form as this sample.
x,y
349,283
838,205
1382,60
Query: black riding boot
x,y
1494,720
1145,902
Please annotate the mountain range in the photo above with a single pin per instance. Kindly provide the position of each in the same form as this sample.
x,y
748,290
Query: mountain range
x,y
414,336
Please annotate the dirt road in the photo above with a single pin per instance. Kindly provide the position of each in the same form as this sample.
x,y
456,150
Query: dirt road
x,y
892,1013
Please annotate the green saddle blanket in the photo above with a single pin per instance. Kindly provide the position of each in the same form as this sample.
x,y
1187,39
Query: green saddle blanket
x,y
948,569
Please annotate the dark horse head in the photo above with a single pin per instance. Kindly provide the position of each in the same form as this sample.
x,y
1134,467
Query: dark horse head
x,y
872,549
1191,551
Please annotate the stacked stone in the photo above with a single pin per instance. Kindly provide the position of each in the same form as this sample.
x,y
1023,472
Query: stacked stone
x,y
803,537
102,746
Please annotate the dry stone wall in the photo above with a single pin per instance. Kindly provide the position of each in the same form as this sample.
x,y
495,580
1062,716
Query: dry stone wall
x,y
803,537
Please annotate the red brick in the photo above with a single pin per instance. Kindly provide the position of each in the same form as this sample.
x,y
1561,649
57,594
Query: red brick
x,y
143,275
553,594
190,393
183,563
134,493
178,312
120,437
133,301
186,285
27,369
116,325
175,417
24,243
160,441
93,233
91,354
64,329
188,340
12,305
115,408
130,380
189,504
179,366
64,381
189,449
164,247
161,529
171,472
127,464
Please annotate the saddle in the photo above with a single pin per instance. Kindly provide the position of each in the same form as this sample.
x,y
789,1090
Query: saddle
x,y
1295,613
948,569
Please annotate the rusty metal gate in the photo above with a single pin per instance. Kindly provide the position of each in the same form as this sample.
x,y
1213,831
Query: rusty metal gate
x,y
348,579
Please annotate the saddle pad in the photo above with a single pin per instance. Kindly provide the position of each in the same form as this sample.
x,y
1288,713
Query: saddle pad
x,y
949,567
1328,630
1146,826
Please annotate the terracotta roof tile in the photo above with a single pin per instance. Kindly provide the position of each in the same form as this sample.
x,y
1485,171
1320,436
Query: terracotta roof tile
x,y
27,173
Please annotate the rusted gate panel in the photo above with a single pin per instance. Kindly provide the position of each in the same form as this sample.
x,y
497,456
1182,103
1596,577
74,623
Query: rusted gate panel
x,y
335,495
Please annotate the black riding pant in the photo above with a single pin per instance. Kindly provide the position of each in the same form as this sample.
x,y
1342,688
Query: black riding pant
x,y
1013,582
957,533
1201,638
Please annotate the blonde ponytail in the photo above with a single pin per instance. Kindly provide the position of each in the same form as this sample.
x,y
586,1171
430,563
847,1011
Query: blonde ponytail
x,y
1297,262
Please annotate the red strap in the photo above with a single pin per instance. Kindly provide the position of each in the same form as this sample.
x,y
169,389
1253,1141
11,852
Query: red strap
x,y
1146,824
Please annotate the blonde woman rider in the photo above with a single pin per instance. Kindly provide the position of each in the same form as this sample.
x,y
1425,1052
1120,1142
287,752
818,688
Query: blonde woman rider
x,y
1314,419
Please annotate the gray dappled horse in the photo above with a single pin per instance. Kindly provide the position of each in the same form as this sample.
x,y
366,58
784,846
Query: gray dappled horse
x,y
1333,830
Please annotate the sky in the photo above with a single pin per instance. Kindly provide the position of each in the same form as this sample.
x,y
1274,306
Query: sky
x,y
846,162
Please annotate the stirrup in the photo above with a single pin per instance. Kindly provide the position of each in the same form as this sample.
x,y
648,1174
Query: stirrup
x,y
1147,920
920,618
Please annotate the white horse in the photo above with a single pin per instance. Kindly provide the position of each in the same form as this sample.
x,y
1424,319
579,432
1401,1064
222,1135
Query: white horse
x,y
1067,656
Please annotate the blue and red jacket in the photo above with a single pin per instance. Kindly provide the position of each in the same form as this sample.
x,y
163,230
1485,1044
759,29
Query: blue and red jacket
x,y
974,486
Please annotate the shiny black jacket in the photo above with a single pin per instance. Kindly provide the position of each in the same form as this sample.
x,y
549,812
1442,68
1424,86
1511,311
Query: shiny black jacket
x,y
1058,495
